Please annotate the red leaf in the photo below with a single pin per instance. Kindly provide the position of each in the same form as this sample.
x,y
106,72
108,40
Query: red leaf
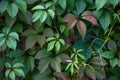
x,y
73,38
87,15
70,18
81,26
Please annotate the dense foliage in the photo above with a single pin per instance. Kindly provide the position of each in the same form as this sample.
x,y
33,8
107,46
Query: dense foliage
x,y
59,40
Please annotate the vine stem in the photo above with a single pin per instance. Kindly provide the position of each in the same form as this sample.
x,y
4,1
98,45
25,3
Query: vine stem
x,y
107,39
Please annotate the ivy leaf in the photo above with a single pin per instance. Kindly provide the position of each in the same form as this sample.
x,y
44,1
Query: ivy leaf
x,y
18,65
42,54
12,75
2,41
100,3
7,72
38,7
41,40
100,73
19,72
11,43
105,20
114,2
43,64
90,71
108,54
80,6
62,3
113,62
81,26
21,4
3,5
30,42
12,9
70,18
98,61
112,46
87,15
51,45
43,16
57,46
48,32
30,63
51,13
14,35
55,64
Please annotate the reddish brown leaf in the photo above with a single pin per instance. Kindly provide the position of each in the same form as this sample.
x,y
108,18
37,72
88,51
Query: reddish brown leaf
x,y
30,42
71,20
85,78
87,15
81,26
41,40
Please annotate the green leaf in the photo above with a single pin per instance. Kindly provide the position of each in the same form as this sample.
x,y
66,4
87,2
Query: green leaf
x,y
108,54
21,4
7,72
113,62
100,3
30,63
11,43
12,9
14,35
80,6
5,30
18,65
19,72
12,75
51,45
8,65
62,3
105,20
81,56
43,16
36,16
42,54
62,41
38,7
3,5
57,46
118,62
14,54
114,2
112,46
50,39
62,28
51,13
48,4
